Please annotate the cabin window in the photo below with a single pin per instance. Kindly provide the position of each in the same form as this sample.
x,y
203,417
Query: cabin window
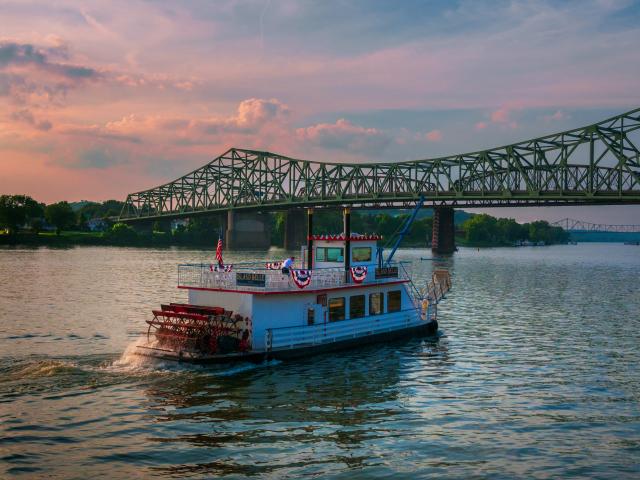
x,y
356,306
361,254
336,309
329,254
376,303
311,316
394,301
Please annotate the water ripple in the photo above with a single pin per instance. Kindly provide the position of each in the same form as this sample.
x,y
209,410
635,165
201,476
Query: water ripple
x,y
535,377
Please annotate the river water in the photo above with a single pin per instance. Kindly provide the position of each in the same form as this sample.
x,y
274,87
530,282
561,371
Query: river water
x,y
535,376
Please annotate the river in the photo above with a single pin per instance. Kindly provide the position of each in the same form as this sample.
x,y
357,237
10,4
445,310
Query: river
x,y
535,376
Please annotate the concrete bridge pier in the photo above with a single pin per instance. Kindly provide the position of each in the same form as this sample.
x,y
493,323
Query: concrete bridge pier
x,y
144,227
443,239
247,231
163,225
295,229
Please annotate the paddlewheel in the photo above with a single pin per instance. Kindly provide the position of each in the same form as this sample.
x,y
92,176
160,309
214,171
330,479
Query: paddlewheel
x,y
198,329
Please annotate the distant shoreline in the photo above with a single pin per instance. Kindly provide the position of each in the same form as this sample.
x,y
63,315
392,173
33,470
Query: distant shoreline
x,y
159,240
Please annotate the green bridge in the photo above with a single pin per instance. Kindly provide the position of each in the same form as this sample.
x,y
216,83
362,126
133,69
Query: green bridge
x,y
596,164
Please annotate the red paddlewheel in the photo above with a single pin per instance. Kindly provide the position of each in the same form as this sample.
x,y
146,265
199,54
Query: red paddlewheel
x,y
191,327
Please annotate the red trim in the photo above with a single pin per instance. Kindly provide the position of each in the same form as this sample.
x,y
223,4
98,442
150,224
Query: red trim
x,y
293,292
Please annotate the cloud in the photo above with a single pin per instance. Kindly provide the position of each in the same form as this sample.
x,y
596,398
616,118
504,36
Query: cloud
x,y
25,116
434,135
503,116
27,55
344,135
98,157
97,132
481,125
252,114
558,115
30,74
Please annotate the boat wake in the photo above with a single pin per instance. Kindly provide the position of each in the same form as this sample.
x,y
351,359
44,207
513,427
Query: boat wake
x,y
131,362
43,368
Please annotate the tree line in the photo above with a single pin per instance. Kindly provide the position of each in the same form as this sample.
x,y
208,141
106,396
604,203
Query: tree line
x,y
487,230
21,212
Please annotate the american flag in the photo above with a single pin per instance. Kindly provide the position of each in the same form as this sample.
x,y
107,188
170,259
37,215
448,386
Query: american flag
x,y
219,252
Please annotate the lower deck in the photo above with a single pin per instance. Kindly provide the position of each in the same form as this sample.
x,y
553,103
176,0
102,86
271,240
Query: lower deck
x,y
320,343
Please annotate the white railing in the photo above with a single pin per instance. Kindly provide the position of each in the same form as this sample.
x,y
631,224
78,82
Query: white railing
x,y
301,336
201,276
439,285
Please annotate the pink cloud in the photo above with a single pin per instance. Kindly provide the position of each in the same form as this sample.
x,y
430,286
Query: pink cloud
x,y
481,125
503,116
344,135
558,115
434,135
500,116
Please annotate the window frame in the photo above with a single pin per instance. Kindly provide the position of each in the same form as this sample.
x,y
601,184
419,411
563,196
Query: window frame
x,y
399,292
381,296
344,309
353,254
324,256
364,305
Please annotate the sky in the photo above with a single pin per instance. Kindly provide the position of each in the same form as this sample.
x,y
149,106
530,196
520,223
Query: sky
x,y
100,99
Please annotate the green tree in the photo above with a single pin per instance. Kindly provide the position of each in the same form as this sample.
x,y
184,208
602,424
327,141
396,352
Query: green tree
x,y
60,215
122,234
480,229
16,210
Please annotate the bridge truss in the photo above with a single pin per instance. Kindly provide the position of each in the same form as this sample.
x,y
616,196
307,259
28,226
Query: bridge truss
x,y
597,164
578,225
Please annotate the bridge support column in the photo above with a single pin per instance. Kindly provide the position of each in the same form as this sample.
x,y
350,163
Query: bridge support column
x,y
144,227
443,239
247,231
162,225
294,229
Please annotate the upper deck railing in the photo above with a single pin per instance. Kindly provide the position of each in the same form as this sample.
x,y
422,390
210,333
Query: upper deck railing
x,y
254,277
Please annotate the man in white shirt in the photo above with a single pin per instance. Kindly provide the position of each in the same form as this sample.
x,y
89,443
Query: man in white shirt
x,y
287,265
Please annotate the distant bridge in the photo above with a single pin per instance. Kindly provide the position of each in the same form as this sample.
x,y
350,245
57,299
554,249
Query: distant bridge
x,y
570,224
596,164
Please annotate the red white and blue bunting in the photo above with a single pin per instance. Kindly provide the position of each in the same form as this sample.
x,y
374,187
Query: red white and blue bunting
x,y
217,268
301,278
358,274
273,265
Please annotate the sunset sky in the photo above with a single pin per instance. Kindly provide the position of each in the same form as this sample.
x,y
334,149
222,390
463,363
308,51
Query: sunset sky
x,y
100,99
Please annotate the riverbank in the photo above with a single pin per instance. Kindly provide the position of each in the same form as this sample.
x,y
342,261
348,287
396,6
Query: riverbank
x,y
161,239
68,239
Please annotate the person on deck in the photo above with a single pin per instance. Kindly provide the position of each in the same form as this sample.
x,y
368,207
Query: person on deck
x,y
287,265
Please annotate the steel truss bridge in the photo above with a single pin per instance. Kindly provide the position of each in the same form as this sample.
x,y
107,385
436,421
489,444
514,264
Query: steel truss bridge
x,y
579,226
596,164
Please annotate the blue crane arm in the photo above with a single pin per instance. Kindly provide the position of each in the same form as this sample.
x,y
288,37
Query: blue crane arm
x,y
406,227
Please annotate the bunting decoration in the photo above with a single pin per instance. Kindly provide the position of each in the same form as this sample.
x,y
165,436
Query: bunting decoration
x,y
273,265
301,278
358,274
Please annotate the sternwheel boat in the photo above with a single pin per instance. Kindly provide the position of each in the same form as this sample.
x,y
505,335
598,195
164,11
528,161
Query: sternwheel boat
x,y
342,295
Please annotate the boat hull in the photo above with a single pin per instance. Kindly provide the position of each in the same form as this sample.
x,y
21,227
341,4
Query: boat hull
x,y
422,330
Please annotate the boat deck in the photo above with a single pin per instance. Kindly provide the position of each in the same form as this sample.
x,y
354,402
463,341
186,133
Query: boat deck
x,y
256,278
